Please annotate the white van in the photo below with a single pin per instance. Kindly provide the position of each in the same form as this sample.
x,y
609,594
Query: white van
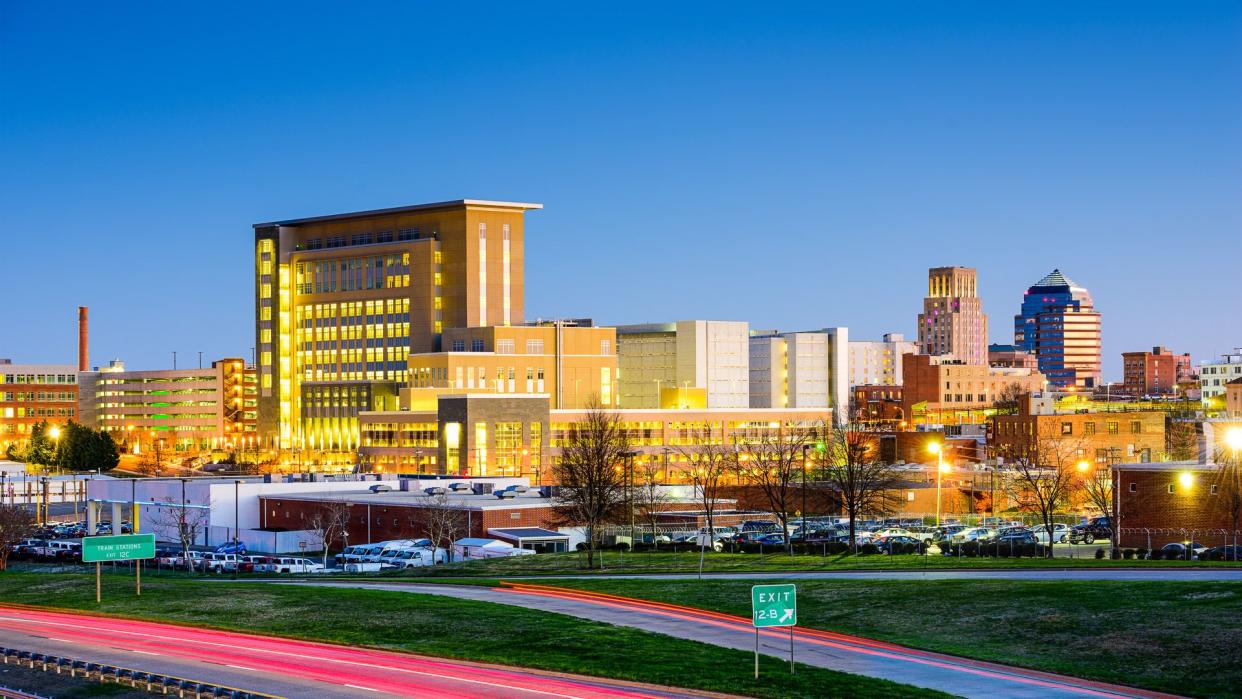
x,y
295,565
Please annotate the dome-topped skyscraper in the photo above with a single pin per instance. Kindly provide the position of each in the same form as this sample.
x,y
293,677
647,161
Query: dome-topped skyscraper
x,y
1060,326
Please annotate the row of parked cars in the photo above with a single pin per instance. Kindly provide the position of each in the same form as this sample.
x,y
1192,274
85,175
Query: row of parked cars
x,y
75,530
218,562
394,554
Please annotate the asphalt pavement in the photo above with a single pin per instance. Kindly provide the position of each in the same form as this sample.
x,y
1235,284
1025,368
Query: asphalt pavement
x,y
291,668
834,651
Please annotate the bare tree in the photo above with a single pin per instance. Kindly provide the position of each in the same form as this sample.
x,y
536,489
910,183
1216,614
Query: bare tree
x,y
1008,399
850,466
1097,485
16,523
328,524
184,523
1228,482
1181,439
1041,472
774,464
591,474
442,522
649,497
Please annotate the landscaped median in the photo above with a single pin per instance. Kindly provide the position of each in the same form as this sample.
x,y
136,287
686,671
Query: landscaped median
x,y
642,562
445,627
1178,637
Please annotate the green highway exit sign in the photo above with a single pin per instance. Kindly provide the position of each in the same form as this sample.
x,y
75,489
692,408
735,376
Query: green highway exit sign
x,y
774,605
127,547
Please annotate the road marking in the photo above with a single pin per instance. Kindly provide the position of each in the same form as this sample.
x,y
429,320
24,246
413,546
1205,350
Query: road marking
x,y
241,667
358,686
144,652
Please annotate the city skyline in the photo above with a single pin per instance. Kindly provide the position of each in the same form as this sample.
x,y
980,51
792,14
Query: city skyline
x,y
967,140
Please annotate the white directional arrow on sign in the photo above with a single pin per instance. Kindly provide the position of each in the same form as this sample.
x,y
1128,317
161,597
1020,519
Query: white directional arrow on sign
x,y
787,615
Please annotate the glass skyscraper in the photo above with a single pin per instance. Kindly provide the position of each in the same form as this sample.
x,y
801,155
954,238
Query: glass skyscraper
x,y
1060,326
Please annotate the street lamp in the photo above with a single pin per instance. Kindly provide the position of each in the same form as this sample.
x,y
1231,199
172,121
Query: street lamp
x,y
937,449
54,433
1186,479
1233,438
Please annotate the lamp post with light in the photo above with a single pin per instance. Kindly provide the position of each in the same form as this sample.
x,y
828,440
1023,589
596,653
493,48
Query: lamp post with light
x,y
938,449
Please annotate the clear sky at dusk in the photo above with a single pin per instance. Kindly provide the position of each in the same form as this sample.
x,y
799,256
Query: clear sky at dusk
x,y
794,169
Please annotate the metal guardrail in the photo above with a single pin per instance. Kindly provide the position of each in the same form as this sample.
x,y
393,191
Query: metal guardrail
x,y
10,693
154,682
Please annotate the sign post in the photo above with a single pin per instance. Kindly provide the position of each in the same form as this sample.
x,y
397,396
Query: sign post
x,y
125,547
774,605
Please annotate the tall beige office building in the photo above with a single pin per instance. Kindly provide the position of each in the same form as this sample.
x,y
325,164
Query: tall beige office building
x,y
953,321
341,301
661,362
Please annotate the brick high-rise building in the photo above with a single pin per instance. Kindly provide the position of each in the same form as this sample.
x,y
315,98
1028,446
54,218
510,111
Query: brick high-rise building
x,y
341,301
1154,373
953,321
34,393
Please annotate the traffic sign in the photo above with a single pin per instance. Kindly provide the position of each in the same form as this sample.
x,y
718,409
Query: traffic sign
x,y
773,605
126,547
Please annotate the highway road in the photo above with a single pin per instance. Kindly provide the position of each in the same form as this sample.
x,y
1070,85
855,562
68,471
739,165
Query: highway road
x,y
1221,574
290,668
960,676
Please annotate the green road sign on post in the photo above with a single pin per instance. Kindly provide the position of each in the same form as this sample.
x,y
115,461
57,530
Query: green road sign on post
x,y
124,547
774,605
127,547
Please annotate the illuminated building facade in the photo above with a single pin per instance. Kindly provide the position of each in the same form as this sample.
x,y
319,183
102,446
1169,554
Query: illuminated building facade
x,y
519,435
33,393
573,364
801,370
711,355
878,363
342,301
953,321
947,391
1060,326
182,409
1214,378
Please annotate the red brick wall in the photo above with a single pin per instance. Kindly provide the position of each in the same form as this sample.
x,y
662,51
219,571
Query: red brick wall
x,y
1153,507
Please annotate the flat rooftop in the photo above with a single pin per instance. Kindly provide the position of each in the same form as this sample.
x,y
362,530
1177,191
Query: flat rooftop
x,y
413,498
453,204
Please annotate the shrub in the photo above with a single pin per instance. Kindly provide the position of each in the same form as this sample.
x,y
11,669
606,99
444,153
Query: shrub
x,y
1156,554
623,546
1099,554
1127,554
1141,553
868,549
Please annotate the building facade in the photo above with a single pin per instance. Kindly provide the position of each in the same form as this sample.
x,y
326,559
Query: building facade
x,y
183,409
1214,377
575,365
944,390
1060,326
341,301
1233,398
1098,438
1011,356
801,370
1154,373
520,436
953,322
878,363
34,393
711,355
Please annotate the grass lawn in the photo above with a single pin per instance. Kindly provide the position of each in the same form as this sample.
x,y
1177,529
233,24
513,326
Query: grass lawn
x,y
1181,637
688,562
444,627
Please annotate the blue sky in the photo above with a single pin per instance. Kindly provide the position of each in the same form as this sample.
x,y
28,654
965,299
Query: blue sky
x,y
795,169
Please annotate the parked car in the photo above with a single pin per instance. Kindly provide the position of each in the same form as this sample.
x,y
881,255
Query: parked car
x,y
1060,533
773,539
1222,553
350,554
762,526
900,544
946,531
891,531
295,565
190,560
236,547
27,548
1016,536
259,564
416,558
1177,551
972,534
226,563
1097,528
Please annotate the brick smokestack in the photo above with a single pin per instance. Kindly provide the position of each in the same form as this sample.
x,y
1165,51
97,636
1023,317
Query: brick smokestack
x,y
83,343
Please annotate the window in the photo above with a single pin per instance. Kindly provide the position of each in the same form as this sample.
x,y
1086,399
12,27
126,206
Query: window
x,y
1112,427
605,347
1213,490
534,347
1136,426
476,345
459,345
505,347
1067,428
1170,487
1134,487
1088,428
